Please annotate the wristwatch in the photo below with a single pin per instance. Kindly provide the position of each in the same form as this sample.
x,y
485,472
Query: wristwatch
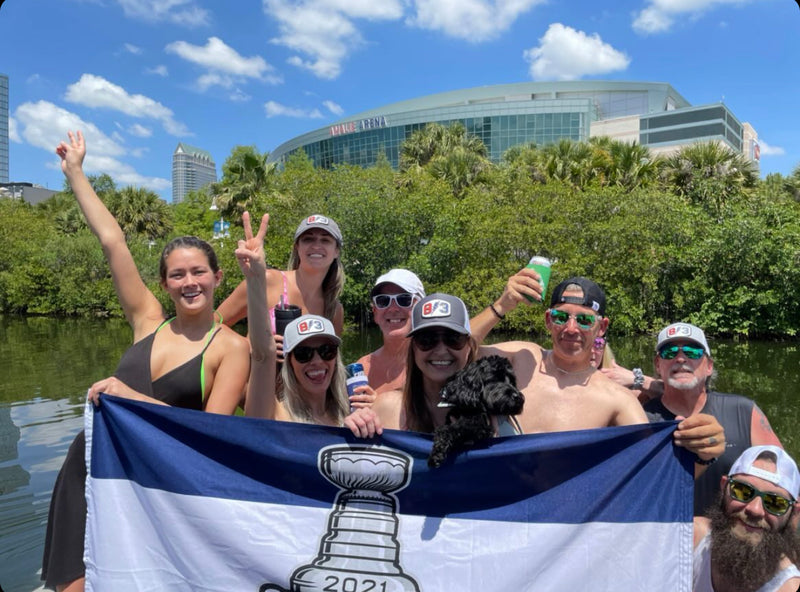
x,y
638,379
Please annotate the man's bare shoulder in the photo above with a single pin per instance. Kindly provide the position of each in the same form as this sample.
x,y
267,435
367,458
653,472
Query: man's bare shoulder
x,y
610,387
623,401
510,348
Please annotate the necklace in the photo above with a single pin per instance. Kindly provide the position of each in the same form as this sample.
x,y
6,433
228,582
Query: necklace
x,y
570,372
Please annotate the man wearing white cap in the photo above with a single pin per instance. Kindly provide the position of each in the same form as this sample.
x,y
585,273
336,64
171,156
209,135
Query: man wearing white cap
x,y
394,295
748,542
683,361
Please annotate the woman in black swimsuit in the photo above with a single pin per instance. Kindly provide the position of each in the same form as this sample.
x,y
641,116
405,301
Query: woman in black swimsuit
x,y
188,361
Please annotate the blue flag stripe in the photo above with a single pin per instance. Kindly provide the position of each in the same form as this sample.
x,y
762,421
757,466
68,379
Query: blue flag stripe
x,y
626,474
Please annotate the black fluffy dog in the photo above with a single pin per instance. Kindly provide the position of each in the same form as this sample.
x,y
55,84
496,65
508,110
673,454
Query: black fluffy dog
x,y
474,394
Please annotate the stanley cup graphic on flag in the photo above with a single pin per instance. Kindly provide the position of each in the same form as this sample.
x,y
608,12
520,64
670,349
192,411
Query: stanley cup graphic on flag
x,y
359,551
183,500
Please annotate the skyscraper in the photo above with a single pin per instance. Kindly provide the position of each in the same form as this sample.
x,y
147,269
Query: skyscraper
x,y
192,168
3,128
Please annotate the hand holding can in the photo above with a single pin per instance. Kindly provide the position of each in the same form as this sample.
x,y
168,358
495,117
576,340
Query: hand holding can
x,y
355,378
542,266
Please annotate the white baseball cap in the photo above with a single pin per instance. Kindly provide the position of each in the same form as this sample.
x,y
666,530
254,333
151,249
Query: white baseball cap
x,y
403,278
786,474
681,332
306,327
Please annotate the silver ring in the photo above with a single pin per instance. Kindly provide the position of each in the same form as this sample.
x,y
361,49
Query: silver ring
x,y
712,440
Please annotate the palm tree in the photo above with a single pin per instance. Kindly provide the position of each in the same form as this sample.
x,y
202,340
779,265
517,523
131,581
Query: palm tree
x,y
632,165
436,139
526,160
247,180
460,167
791,184
446,152
141,212
710,174
575,163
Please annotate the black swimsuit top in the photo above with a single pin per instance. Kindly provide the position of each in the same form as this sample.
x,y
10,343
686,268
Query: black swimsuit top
x,y
183,386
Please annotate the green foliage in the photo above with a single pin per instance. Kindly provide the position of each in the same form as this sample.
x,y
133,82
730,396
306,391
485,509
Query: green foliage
x,y
693,237
194,216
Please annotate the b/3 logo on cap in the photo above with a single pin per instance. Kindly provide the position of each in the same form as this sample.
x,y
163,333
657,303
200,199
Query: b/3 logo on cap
x,y
317,220
680,330
435,309
310,326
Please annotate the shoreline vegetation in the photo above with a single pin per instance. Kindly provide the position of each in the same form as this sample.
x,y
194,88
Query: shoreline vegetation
x,y
696,236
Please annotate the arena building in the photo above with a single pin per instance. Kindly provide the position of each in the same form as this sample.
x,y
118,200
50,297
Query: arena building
x,y
506,115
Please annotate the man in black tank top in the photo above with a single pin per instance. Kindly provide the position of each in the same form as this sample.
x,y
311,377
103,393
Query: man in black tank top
x,y
684,363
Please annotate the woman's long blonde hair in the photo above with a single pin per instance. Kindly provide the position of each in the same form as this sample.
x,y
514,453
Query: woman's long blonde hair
x,y
337,405
332,285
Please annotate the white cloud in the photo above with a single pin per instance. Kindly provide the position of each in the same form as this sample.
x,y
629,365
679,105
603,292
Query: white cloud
x,y
566,54
13,134
471,20
140,131
159,70
97,92
239,96
274,109
179,12
333,107
659,15
44,125
323,31
225,66
767,150
131,48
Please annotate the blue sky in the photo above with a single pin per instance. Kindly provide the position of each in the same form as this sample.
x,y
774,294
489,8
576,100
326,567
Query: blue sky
x,y
139,76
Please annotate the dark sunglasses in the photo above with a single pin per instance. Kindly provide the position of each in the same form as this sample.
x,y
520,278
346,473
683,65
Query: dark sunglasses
x,y
775,504
668,352
427,340
305,353
584,321
403,300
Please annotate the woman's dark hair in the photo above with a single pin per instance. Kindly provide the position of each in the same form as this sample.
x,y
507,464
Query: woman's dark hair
x,y
187,242
418,416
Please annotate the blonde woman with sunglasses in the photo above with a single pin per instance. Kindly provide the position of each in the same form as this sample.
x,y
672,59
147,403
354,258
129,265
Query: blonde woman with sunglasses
x,y
313,376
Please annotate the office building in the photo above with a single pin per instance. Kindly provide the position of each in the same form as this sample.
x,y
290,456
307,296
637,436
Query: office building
x,y
192,169
653,114
3,128
29,192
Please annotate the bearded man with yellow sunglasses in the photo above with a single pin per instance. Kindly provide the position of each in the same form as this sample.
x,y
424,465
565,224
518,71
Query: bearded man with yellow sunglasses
x,y
748,541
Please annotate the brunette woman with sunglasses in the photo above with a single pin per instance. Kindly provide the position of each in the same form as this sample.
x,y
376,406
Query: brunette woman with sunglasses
x,y
441,344
312,374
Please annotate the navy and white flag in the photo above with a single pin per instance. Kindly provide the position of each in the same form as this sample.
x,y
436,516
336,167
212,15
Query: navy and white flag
x,y
183,500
